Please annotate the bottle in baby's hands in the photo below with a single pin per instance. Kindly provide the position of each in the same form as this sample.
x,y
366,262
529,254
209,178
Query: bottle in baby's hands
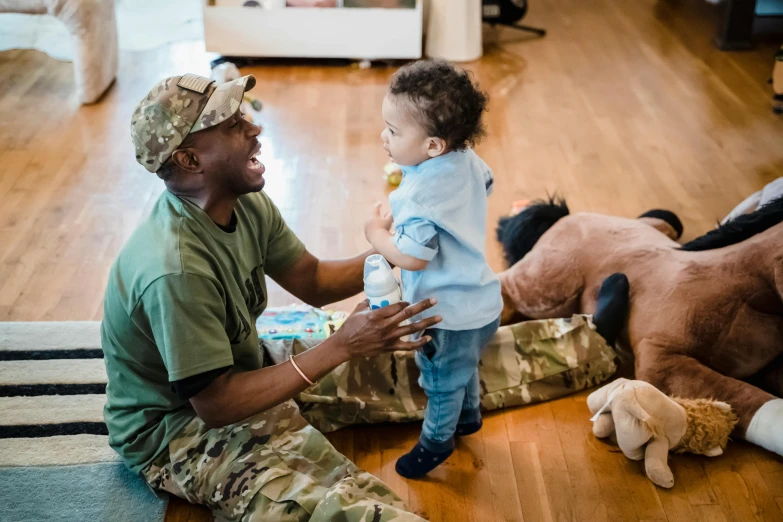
x,y
380,285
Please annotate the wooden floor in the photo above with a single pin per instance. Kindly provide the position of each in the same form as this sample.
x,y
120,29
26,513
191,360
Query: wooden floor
x,y
623,107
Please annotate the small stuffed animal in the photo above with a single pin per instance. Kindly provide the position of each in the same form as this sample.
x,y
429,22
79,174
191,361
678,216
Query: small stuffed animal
x,y
648,424
392,174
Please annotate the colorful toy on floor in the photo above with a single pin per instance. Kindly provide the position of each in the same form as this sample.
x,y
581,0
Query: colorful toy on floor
x,y
648,424
518,206
298,322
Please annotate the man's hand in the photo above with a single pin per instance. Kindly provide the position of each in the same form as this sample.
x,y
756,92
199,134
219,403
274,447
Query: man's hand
x,y
373,332
377,223
237,395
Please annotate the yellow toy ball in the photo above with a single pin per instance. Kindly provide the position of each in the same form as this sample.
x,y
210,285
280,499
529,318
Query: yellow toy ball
x,y
393,174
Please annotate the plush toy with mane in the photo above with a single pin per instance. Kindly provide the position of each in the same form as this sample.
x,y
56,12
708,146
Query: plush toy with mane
x,y
647,424
705,320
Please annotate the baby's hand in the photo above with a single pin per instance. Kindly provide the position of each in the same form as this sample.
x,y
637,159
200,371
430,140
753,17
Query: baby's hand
x,y
377,222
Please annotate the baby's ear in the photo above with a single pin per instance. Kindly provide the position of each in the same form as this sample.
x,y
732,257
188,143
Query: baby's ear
x,y
436,147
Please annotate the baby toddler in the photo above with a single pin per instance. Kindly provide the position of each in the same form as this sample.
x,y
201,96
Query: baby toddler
x,y
433,115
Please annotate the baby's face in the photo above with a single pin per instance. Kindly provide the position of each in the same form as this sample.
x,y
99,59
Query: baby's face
x,y
403,138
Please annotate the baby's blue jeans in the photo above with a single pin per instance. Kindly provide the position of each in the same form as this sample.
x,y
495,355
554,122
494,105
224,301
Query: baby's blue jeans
x,y
449,376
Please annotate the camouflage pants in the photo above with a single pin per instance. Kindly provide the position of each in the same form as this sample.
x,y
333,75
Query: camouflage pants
x,y
524,363
271,467
275,466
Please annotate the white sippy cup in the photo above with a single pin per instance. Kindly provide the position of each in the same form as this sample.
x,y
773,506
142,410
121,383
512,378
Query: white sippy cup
x,y
380,285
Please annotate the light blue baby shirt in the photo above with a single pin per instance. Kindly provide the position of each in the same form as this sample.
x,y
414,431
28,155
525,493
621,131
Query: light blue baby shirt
x,y
440,216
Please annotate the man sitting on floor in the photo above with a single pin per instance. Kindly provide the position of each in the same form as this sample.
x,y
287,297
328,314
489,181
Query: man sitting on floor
x,y
198,407
191,405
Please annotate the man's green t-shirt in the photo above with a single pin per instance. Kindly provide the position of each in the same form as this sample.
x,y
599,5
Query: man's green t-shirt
x,y
182,299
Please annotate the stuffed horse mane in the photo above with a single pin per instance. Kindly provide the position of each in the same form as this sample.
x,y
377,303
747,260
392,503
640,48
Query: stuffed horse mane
x,y
518,234
739,229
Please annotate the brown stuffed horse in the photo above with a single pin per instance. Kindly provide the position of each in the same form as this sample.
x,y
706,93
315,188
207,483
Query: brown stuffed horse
x,y
705,319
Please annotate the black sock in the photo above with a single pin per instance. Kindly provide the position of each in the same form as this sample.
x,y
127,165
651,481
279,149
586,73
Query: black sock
x,y
468,428
612,307
420,461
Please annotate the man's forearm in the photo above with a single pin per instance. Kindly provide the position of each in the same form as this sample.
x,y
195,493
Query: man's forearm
x,y
319,283
233,397
340,279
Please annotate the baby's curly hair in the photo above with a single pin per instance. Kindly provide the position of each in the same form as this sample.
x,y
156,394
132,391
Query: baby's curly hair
x,y
446,101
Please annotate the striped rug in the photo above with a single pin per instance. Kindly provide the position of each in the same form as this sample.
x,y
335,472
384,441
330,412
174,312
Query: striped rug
x,y
55,461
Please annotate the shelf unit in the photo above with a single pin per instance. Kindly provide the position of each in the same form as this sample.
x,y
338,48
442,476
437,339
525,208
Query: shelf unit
x,y
353,33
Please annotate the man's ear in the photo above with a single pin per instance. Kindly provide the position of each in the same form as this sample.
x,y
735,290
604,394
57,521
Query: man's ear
x,y
186,159
436,147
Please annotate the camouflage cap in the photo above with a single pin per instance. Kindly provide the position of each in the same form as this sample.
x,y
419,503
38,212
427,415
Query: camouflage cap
x,y
177,106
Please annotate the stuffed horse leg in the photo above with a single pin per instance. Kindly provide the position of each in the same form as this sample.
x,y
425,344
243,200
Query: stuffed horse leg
x,y
760,413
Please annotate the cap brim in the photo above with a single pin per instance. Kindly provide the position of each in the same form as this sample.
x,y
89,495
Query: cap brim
x,y
224,102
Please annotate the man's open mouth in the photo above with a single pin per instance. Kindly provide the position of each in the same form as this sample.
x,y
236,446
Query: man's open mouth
x,y
254,162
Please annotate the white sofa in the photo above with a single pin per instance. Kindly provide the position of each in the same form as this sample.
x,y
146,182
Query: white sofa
x,y
93,27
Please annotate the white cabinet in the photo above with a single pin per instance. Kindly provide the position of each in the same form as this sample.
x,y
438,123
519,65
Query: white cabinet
x,y
353,33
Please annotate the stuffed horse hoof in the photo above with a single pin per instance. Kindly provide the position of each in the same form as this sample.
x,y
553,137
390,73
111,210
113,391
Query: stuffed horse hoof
x,y
648,425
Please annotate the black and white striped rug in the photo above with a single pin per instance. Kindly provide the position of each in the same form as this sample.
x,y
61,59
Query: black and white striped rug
x,y
52,434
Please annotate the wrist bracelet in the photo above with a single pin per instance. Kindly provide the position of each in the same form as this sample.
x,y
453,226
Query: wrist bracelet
x,y
299,371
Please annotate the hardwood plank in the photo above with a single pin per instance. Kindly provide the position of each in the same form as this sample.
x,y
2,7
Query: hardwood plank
x,y
579,452
531,485
689,470
343,441
367,449
760,494
505,495
395,441
774,482
180,510
83,292
766,461
43,291
677,501
536,424
643,492
710,513
739,487
476,480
